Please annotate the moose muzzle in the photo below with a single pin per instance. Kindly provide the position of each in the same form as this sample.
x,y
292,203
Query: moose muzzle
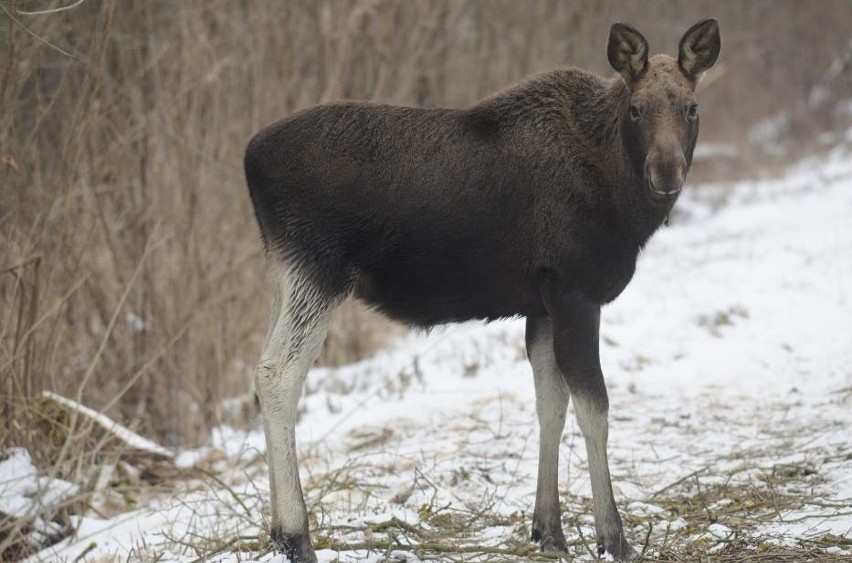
x,y
665,171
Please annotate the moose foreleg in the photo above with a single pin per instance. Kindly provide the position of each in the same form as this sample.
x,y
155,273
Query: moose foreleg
x,y
576,324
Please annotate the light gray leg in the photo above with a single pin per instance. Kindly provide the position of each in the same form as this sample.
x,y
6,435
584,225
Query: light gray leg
x,y
300,322
575,328
551,401
591,411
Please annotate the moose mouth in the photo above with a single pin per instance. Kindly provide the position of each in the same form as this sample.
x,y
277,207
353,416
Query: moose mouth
x,y
664,194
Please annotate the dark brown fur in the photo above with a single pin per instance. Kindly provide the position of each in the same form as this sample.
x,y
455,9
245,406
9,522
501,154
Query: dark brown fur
x,y
534,202
461,216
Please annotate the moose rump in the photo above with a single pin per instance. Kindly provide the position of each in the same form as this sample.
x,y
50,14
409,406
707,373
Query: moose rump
x,y
430,226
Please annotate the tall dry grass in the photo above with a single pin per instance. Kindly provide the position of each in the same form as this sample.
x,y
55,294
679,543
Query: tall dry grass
x,y
131,275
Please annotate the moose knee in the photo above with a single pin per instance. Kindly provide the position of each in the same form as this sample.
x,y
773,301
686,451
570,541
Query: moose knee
x,y
592,410
266,373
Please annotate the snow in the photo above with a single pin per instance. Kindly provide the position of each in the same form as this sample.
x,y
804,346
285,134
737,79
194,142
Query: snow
x,y
714,150
24,494
23,491
728,359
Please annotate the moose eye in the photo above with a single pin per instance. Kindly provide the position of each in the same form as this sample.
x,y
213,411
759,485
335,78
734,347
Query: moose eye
x,y
635,114
692,112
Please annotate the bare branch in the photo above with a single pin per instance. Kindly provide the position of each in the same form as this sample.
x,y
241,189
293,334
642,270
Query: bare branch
x,y
36,35
50,10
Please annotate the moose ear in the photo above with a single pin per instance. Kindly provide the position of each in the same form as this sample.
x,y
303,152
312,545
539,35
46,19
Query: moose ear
x,y
627,51
699,48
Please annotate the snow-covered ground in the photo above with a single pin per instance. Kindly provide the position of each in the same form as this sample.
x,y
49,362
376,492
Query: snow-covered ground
x,y
729,366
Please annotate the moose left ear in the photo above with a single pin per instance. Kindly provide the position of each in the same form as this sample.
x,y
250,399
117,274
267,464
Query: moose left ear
x,y
699,48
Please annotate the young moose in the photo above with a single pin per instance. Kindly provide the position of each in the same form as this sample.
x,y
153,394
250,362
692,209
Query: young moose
x,y
534,202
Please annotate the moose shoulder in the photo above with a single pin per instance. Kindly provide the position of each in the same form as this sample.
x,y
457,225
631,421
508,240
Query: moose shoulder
x,y
534,202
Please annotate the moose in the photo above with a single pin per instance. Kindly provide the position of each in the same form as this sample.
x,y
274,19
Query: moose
x,y
534,202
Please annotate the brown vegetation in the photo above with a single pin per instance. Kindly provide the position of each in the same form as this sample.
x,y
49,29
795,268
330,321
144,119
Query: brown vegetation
x,y
131,275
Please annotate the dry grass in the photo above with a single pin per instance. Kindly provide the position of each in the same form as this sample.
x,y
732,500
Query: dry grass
x,y
741,504
741,500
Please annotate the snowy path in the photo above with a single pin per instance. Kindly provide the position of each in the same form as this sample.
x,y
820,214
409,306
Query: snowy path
x,y
729,365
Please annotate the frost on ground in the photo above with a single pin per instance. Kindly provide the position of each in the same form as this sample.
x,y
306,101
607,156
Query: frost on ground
x,y
729,365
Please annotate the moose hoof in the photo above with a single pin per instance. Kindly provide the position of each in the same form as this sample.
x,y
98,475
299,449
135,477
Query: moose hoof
x,y
619,549
552,541
297,547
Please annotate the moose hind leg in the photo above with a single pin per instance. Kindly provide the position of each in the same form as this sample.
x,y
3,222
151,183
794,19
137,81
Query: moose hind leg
x,y
551,401
298,328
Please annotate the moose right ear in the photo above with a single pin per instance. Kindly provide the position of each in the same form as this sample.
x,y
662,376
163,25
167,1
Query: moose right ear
x,y
627,51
